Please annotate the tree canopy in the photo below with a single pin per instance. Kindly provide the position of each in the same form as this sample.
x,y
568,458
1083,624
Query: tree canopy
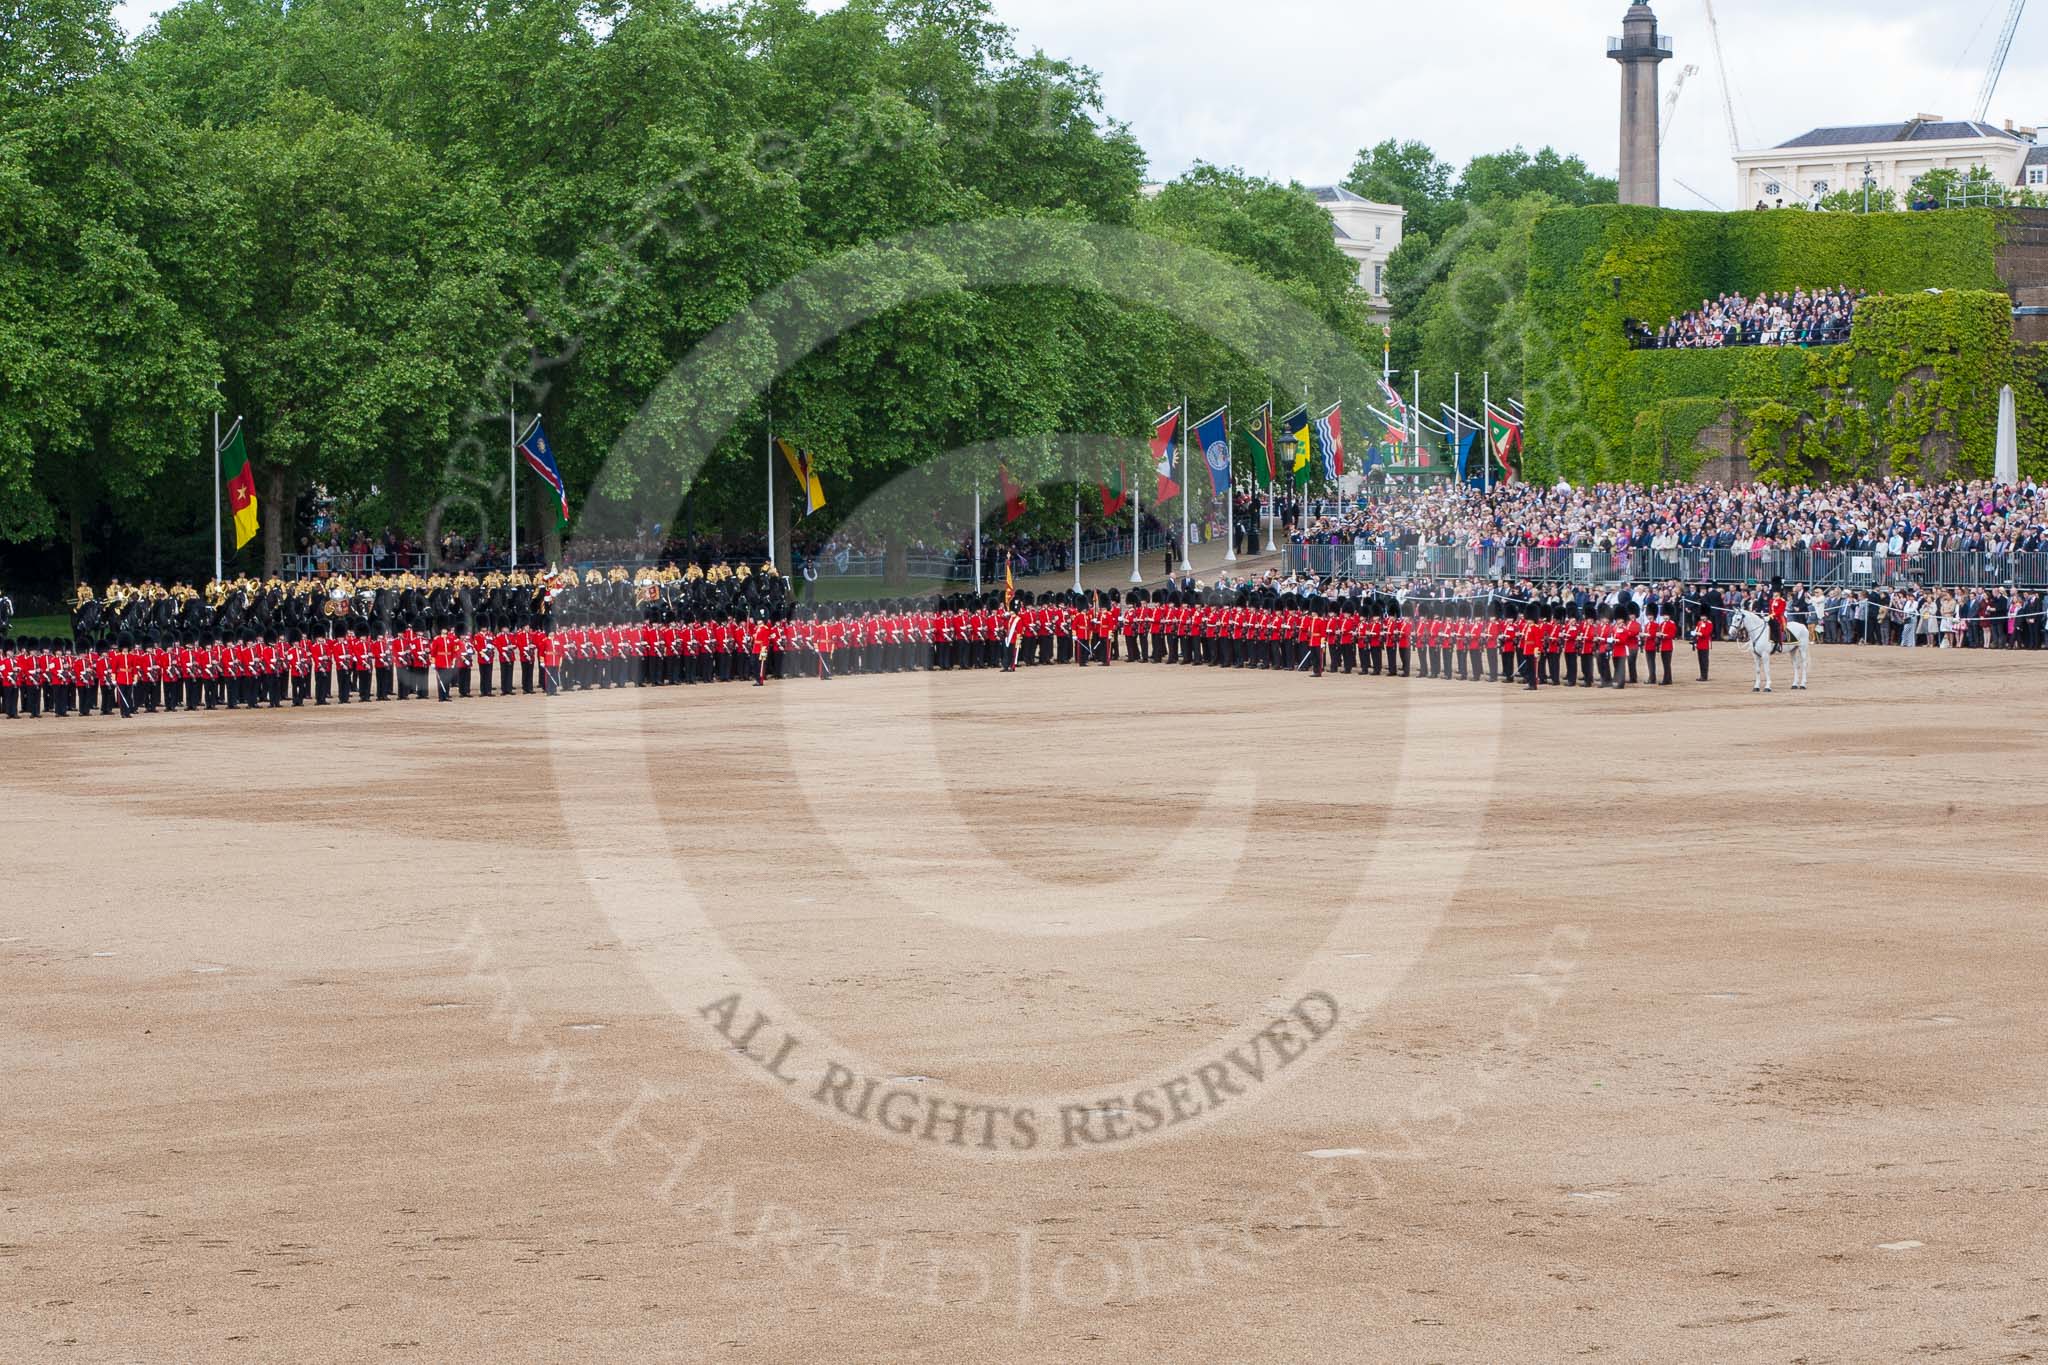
x,y
372,228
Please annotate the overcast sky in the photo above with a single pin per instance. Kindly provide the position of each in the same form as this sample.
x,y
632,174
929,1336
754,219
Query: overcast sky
x,y
1293,88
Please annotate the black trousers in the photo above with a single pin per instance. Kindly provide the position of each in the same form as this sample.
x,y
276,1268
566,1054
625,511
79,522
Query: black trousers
x,y
1703,664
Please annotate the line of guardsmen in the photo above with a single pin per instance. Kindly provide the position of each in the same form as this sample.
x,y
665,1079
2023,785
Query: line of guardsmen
x,y
1494,638
388,639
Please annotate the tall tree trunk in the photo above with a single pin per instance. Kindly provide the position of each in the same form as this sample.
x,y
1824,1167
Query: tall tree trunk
x,y
276,514
895,562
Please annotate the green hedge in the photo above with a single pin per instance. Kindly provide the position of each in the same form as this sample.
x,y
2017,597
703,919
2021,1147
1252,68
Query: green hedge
x,y
1601,410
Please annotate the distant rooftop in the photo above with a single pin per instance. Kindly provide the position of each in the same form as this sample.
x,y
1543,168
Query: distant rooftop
x,y
1913,130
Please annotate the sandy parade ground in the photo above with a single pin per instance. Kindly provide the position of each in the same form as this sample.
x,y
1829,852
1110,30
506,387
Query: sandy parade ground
x,y
1144,1013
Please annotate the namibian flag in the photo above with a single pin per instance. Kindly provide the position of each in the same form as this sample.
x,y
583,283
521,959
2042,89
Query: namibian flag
x,y
1258,432
241,483
540,458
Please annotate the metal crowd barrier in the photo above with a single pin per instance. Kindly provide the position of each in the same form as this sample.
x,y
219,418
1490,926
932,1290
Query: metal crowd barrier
x,y
1815,568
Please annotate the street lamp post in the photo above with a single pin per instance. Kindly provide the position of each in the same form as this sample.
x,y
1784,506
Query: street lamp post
x,y
1288,446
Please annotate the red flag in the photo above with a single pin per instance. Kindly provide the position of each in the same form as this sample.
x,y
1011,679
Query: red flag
x,y
1162,455
1013,496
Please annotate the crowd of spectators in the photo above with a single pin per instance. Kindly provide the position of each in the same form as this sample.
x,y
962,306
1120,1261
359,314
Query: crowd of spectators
x,y
1818,317
1517,526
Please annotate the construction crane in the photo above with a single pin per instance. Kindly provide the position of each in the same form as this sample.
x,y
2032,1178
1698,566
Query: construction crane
x,y
1685,73
1721,61
1998,56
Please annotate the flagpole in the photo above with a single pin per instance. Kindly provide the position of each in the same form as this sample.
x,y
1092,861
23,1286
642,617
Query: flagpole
x,y
1077,536
977,538
771,485
512,466
216,496
1307,411
1486,415
1415,416
1457,421
1137,536
1270,473
1229,487
1186,565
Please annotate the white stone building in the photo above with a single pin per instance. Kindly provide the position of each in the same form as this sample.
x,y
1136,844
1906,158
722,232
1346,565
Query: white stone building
x,y
1367,233
1892,154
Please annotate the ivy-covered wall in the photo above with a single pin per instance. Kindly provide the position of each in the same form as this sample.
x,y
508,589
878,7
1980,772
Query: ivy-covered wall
x,y
1914,391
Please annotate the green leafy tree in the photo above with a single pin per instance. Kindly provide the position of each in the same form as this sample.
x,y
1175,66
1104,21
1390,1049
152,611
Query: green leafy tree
x,y
1513,174
1853,201
1413,176
1975,187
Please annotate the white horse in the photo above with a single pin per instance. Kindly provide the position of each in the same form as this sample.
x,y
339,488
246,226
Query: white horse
x,y
1753,631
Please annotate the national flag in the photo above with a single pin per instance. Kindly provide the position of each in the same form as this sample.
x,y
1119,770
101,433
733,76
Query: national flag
x,y
1329,431
1258,432
799,462
1297,425
1394,403
1503,437
1162,455
1465,444
1212,438
540,458
1114,496
240,480
1013,496
1009,579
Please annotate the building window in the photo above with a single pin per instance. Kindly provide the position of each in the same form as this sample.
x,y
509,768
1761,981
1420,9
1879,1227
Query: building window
x,y
2037,175
1379,231
1376,281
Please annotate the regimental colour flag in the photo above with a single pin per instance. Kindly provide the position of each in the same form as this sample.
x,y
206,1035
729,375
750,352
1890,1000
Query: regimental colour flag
x,y
1504,437
799,462
1162,455
540,458
1329,431
1212,438
1297,425
1258,433
240,481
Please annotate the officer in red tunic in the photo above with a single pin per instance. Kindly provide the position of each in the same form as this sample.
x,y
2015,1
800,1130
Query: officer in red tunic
x,y
1666,642
1703,641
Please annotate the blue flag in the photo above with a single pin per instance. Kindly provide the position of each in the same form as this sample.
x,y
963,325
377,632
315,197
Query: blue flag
x,y
1465,444
1212,438
540,458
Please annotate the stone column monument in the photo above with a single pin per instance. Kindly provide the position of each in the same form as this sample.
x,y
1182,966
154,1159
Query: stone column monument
x,y
1640,49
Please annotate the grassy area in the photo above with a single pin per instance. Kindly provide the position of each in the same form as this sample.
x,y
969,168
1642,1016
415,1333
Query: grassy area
x,y
41,627
872,589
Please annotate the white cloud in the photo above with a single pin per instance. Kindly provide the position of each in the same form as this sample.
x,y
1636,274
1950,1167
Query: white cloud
x,y
1293,88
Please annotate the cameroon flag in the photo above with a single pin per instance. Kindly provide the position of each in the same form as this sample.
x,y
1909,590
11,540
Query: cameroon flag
x,y
241,484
